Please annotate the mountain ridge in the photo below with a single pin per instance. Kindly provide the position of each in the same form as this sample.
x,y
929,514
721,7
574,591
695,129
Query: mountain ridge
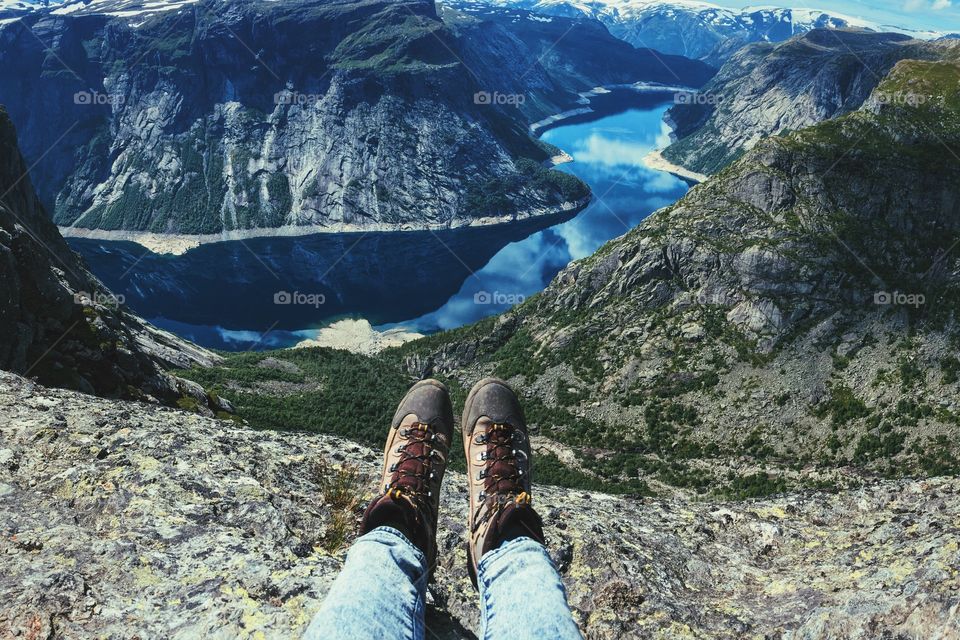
x,y
175,126
767,89
700,30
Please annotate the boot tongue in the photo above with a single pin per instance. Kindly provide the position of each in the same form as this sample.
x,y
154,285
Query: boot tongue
x,y
514,521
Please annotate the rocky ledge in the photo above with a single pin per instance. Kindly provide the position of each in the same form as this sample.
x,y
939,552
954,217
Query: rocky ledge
x,y
122,519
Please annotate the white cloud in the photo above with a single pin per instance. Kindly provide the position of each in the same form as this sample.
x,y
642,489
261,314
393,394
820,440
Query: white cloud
x,y
924,5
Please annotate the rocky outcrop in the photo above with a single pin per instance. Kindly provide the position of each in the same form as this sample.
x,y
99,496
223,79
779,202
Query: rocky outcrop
x,y
790,322
207,118
58,323
122,519
766,89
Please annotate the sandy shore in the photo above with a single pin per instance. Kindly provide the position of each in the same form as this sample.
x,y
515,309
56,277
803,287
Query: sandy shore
x,y
358,336
655,160
179,244
561,158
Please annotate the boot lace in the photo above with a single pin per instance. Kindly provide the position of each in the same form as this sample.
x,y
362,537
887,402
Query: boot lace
x,y
413,471
504,472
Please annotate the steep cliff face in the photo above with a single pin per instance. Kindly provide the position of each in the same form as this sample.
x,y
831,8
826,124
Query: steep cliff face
x,y
766,89
218,117
120,520
60,324
792,321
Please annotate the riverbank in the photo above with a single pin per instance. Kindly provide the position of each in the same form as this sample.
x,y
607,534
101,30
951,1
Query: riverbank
x,y
585,96
358,336
179,244
655,160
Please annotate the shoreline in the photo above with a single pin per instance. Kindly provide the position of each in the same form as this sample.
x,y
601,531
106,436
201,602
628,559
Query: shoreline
x,y
178,244
584,99
655,160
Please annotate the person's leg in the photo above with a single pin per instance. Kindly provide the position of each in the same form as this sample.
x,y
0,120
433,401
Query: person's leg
x,y
380,592
521,594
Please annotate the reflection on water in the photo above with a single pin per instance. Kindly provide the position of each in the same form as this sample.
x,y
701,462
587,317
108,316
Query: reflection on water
x,y
608,155
225,295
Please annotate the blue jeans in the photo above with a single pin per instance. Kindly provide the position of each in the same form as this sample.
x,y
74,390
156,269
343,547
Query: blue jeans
x,y
381,593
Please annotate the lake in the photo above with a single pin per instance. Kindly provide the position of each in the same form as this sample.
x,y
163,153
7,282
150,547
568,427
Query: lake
x,y
274,292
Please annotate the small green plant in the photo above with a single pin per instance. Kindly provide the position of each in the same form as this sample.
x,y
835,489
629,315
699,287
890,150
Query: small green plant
x,y
950,368
843,406
341,488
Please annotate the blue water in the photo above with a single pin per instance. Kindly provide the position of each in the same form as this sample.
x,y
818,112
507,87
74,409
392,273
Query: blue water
x,y
223,295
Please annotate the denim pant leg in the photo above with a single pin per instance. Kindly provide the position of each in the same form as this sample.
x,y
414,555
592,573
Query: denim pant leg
x,y
380,592
521,595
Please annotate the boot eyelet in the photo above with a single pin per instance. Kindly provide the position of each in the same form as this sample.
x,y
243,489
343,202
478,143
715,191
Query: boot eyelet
x,y
393,467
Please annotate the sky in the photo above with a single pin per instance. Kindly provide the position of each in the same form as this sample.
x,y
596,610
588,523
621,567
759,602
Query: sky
x,y
937,15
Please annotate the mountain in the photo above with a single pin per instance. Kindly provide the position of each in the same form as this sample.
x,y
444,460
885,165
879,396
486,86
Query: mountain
x,y
60,325
695,29
551,59
791,322
766,89
122,519
247,116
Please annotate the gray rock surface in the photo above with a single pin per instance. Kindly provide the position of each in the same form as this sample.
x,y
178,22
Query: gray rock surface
x,y
766,89
120,519
59,323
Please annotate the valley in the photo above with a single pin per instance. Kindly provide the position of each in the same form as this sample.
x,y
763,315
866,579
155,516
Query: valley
x,y
742,388
370,276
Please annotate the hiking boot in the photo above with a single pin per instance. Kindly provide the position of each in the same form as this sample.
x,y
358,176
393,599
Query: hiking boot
x,y
497,447
414,461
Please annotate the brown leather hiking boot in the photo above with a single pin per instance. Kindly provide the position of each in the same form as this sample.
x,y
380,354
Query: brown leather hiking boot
x,y
497,447
414,461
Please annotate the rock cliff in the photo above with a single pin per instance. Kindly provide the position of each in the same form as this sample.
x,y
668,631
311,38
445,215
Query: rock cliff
x,y
348,115
58,323
790,322
122,519
766,89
